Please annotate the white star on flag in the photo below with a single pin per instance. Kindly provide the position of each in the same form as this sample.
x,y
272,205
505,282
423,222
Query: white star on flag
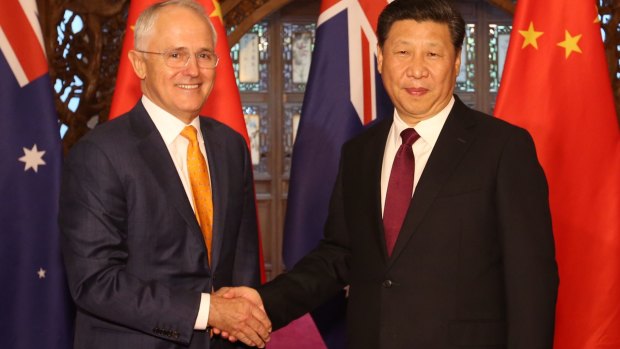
x,y
32,158
41,273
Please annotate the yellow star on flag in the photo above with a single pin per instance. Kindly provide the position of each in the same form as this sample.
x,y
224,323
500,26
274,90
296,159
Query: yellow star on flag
x,y
570,43
530,35
217,10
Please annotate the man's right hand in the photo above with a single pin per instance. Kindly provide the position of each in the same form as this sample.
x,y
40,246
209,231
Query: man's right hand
x,y
240,318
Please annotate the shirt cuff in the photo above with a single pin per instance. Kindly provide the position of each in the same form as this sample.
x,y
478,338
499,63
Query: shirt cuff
x,y
203,312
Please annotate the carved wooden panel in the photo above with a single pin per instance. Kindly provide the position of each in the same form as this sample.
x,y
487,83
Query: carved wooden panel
x,y
240,18
506,5
83,42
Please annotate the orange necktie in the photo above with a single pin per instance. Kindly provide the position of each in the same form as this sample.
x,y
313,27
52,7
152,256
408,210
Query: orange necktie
x,y
201,186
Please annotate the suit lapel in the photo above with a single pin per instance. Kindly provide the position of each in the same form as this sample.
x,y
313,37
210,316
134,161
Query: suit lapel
x,y
374,153
367,166
218,172
157,157
452,144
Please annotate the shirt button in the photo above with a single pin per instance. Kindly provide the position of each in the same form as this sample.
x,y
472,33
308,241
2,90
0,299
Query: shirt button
x,y
387,283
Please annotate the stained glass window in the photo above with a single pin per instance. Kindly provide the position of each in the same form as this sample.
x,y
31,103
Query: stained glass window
x,y
291,122
465,81
499,36
297,46
250,59
257,124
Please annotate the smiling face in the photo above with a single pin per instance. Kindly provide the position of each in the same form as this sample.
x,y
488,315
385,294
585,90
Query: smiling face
x,y
418,64
180,91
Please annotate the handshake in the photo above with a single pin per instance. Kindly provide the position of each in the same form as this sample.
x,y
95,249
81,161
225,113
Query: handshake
x,y
238,314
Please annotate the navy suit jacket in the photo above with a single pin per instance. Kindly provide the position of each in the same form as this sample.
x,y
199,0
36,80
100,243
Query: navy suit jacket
x,y
135,256
474,263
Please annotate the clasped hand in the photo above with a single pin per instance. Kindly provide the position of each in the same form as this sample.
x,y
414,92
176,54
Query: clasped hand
x,y
238,314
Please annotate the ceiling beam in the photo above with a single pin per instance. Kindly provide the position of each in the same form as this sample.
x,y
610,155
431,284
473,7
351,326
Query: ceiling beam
x,y
505,5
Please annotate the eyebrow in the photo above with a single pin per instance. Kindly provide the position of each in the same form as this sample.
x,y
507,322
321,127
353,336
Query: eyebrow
x,y
435,44
426,43
183,48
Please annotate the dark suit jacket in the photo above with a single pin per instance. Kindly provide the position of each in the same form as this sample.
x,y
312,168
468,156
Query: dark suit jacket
x,y
134,253
473,265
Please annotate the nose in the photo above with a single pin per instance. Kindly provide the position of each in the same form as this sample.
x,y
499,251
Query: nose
x,y
192,68
417,68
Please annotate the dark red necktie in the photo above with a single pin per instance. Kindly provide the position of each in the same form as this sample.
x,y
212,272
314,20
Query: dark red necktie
x,y
399,189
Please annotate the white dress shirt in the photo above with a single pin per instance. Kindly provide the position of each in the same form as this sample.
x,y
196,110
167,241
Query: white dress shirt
x,y
428,130
170,128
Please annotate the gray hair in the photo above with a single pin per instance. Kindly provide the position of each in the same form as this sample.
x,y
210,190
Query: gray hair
x,y
147,19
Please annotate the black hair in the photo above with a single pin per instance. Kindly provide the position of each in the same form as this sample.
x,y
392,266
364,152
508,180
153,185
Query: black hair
x,y
440,11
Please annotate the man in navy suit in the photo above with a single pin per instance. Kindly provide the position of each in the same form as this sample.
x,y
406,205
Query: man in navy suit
x,y
468,260
139,268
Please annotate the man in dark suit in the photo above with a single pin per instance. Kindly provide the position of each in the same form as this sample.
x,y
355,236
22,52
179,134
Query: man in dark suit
x,y
468,260
144,245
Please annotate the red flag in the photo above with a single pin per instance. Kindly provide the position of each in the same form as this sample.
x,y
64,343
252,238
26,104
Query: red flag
x,y
224,102
555,85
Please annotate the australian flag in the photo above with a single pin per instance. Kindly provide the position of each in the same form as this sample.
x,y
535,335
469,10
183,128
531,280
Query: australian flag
x,y
344,93
35,310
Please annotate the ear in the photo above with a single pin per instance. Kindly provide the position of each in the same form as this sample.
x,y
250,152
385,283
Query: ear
x,y
457,61
379,59
138,63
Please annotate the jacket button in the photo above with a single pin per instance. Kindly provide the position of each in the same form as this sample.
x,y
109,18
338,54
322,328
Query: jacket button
x,y
387,283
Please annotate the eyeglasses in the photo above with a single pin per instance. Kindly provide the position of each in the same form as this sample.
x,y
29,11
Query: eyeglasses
x,y
178,58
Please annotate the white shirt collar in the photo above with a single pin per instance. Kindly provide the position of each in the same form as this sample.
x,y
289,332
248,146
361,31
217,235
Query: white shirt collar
x,y
428,129
168,125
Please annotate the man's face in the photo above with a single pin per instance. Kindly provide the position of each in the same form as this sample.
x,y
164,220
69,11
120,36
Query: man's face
x,y
180,91
418,65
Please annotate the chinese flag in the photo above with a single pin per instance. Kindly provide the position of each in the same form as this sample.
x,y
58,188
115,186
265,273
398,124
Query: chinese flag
x,y
555,84
224,102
